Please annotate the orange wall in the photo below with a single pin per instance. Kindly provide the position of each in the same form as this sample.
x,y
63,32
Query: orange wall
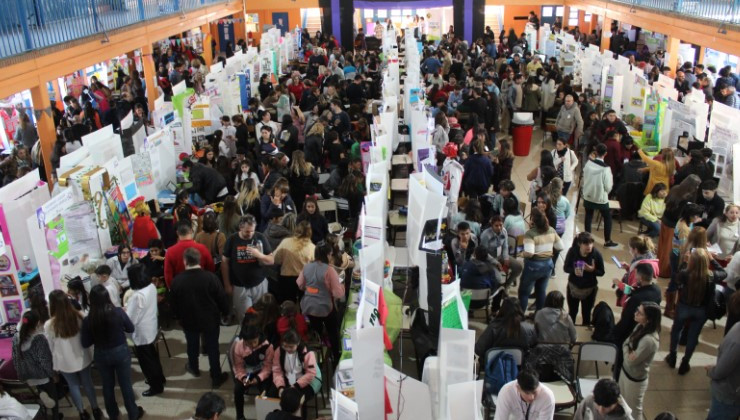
x,y
265,17
511,11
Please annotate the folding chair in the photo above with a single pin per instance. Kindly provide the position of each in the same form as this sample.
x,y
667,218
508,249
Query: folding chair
x,y
483,299
518,356
328,206
593,352
161,338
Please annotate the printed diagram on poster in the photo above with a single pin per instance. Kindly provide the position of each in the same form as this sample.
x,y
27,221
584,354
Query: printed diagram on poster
x,y
7,285
13,311
142,165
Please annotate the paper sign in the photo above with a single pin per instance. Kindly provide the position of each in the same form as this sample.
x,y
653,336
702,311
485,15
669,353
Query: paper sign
x,y
367,357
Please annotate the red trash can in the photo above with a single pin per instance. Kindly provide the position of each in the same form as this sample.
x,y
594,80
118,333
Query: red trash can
x,y
522,138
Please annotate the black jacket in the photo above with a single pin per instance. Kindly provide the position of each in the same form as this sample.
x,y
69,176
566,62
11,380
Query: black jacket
x,y
605,127
626,324
699,169
198,299
712,208
207,182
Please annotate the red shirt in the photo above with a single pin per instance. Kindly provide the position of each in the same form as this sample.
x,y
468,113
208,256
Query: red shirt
x,y
173,259
144,230
297,91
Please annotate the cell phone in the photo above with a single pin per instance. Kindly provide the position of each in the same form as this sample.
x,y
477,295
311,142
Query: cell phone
x,y
616,261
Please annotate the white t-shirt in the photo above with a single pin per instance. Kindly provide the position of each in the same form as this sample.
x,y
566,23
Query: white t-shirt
x,y
510,405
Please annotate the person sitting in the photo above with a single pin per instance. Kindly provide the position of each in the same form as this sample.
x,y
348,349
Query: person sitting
x,y
293,366
507,329
526,395
291,319
110,284
514,222
120,264
652,208
480,271
210,407
252,356
552,323
605,403
291,403
463,245
505,190
496,241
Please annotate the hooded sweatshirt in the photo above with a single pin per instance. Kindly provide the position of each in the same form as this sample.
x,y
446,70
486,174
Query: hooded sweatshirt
x,y
476,274
587,410
597,181
569,120
554,326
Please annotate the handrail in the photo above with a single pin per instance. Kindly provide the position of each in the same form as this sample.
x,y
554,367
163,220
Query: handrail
x,y
723,11
28,25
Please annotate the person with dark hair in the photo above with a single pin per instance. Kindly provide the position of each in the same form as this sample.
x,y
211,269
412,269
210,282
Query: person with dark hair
x,y
291,403
610,123
110,284
513,219
141,308
173,262
644,291
507,329
597,183
199,301
478,171
33,360
320,284
244,255
207,182
540,244
714,205
120,264
638,353
725,375
78,295
480,271
605,403
584,265
525,398
505,190
293,366
495,240
251,356
463,245
652,208
210,407
678,197
552,323
667,415
106,327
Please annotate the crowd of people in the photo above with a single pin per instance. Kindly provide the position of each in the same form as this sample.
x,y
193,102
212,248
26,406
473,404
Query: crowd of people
x,y
248,244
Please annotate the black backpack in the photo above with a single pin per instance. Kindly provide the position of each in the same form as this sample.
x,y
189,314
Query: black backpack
x,y
603,322
717,305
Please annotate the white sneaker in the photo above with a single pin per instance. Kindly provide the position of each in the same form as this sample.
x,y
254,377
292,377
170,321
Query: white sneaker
x,y
46,399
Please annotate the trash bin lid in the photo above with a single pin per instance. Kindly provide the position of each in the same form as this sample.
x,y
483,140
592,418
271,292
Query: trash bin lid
x,y
523,118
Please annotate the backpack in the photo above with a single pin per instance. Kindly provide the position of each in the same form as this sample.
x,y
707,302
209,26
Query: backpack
x,y
717,305
500,370
603,321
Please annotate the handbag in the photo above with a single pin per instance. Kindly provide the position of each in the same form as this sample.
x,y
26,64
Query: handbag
x,y
579,292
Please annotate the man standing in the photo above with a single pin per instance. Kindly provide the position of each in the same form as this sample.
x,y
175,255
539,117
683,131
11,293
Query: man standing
x,y
199,300
339,118
525,398
569,121
597,183
356,91
173,262
241,267
207,182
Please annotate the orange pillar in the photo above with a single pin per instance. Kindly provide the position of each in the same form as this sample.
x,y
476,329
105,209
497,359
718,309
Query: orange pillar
x,y
702,51
605,33
131,63
671,49
150,74
44,125
566,17
594,22
207,47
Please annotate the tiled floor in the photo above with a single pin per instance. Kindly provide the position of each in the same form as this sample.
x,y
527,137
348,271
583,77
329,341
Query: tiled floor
x,y
687,396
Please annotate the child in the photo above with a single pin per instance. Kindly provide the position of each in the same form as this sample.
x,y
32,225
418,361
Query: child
x,y
653,206
111,285
252,358
290,319
78,295
293,365
319,225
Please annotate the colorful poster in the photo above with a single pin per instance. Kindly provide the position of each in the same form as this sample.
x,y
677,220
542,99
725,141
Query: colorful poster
x,y
13,311
142,165
8,286
51,218
120,222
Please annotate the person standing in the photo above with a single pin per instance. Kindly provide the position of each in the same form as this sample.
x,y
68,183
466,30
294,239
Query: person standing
x,y
569,122
70,359
725,376
639,351
540,243
173,262
525,398
584,265
199,300
141,308
105,327
597,183
245,253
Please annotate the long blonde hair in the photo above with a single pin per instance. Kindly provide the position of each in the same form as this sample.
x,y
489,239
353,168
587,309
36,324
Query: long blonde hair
x,y
316,129
299,166
303,233
248,193
669,160
698,271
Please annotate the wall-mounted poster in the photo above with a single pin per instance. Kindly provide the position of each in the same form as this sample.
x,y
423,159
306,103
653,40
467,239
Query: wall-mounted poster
x,y
7,285
13,311
280,20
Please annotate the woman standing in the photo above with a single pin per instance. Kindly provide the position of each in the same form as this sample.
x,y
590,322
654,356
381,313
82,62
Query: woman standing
x,y
725,231
141,308
105,328
228,220
584,265
311,213
696,290
120,264
660,171
320,283
302,178
643,252
540,244
441,130
503,162
248,198
292,255
211,238
639,351
677,197
32,358
70,359
565,162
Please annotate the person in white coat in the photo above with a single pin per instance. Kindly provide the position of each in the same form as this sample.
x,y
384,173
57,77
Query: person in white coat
x,y
120,264
452,174
62,332
141,308
525,398
566,162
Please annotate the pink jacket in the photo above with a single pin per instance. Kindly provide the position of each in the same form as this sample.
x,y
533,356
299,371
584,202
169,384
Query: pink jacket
x,y
632,277
240,351
309,368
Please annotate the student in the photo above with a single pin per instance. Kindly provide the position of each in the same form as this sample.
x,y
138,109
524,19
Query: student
x,y
210,407
507,329
725,231
725,377
110,284
639,351
652,208
540,243
78,295
514,222
291,403
293,366
565,161
525,398
292,255
495,240
552,323
714,205
605,403
584,265
597,183
120,264
291,319
479,272
659,170
70,359
311,213
645,291
463,245
642,250
251,355
505,190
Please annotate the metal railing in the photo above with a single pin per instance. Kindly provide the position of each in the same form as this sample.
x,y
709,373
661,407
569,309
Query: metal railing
x,y
726,11
27,25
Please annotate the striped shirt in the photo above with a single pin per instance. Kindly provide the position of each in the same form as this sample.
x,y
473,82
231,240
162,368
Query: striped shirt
x,y
541,246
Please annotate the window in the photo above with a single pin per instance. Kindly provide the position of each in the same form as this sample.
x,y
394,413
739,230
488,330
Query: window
x,y
587,17
559,11
407,12
573,18
368,13
382,13
395,12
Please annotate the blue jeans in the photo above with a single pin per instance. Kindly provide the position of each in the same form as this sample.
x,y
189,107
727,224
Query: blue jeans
x,y
536,275
210,342
82,378
653,227
114,362
722,411
564,136
696,316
